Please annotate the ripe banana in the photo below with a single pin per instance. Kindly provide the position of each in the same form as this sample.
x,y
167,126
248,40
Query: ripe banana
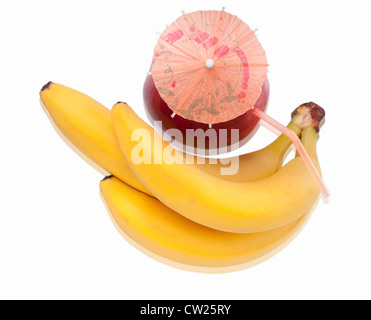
x,y
273,210
86,126
229,206
258,164
167,236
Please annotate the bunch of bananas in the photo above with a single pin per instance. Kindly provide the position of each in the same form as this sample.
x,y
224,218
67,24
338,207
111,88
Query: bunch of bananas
x,y
190,215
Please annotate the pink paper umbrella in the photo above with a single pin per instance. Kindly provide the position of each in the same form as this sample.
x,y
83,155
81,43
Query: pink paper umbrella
x,y
209,67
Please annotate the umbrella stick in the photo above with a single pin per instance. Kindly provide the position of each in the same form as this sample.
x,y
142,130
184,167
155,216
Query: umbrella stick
x,y
299,147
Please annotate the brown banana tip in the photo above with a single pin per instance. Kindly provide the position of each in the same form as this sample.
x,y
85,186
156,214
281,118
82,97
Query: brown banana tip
x,y
107,177
46,86
310,114
118,102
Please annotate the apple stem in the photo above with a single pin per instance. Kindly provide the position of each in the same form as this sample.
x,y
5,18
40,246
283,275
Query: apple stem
x,y
299,147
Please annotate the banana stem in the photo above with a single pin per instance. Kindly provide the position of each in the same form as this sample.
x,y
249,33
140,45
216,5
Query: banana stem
x,y
299,147
308,139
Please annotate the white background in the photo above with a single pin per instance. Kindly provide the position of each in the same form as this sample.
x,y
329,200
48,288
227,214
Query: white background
x,y
56,239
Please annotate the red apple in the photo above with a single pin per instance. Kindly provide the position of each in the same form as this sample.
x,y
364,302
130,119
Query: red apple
x,y
157,110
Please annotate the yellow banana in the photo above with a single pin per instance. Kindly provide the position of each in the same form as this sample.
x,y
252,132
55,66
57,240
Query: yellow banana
x,y
229,206
258,164
172,239
86,126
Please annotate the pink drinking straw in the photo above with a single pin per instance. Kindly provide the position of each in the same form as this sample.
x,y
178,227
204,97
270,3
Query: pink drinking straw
x,y
299,147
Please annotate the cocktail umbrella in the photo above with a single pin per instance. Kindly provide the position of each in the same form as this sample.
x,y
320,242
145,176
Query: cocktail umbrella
x,y
209,67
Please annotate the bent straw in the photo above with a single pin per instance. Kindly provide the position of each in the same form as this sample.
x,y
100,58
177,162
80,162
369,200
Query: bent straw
x,y
299,147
